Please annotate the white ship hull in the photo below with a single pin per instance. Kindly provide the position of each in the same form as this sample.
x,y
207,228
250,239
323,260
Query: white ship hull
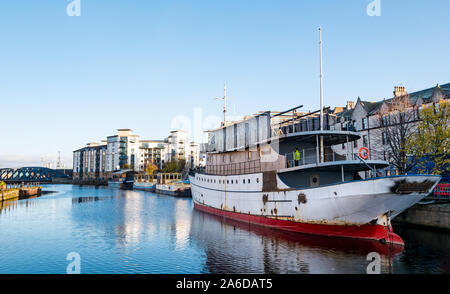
x,y
332,207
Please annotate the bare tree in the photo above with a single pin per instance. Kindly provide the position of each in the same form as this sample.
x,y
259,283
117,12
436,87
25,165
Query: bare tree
x,y
398,122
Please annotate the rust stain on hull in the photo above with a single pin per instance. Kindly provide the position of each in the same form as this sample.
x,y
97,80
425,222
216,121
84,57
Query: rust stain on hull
x,y
403,187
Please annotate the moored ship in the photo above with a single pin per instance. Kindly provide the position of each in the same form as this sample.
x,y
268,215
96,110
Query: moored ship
x,y
172,184
254,174
283,170
122,179
145,183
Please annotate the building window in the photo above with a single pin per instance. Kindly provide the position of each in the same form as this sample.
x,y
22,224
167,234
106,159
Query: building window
x,y
385,139
386,120
365,124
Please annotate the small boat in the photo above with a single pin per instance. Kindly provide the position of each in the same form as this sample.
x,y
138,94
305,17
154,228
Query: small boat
x,y
145,183
177,190
122,179
172,184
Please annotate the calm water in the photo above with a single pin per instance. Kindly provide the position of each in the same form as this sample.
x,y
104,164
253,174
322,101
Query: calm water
x,y
139,232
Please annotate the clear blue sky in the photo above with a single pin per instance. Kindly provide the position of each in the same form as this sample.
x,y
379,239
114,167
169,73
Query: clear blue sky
x,y
66,81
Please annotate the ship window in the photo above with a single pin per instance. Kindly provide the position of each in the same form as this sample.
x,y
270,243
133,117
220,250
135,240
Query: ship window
x,y
220,181
243,181
249,181
257,180
232,181
228,181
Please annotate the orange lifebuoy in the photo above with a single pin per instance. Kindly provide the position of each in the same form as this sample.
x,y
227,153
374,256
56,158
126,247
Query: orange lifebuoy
x,y
367,152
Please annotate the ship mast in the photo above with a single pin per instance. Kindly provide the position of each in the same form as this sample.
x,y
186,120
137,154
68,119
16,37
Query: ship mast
x,y
321,96
224,104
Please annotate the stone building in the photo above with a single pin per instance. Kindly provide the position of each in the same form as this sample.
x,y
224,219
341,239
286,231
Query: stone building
x,y
372,119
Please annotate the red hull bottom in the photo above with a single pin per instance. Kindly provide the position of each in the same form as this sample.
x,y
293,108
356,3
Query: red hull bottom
x,y
370,232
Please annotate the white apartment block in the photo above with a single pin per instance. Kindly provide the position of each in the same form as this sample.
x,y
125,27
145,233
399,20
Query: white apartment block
x,y
152,151
123,150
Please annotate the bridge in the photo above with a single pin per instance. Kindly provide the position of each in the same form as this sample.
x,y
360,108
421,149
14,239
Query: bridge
x,y
32,174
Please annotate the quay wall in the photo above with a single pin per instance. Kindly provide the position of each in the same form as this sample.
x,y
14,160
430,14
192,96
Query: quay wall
x,y
9,194
89,183
19,192
432,215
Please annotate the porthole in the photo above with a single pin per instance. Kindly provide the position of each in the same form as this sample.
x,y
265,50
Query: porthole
x,y
248,181
243,181
257,180
232,181
228,181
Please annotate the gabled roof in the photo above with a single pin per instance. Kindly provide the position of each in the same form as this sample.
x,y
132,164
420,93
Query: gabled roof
x,y
425,95
371,106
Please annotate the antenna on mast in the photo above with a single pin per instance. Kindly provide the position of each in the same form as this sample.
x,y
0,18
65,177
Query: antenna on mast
x,y
224,103
58,164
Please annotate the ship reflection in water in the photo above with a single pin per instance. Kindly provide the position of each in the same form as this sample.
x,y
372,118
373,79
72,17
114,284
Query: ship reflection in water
x,y
236,247
124,232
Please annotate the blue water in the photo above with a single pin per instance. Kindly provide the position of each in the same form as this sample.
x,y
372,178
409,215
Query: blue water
x,y
125,232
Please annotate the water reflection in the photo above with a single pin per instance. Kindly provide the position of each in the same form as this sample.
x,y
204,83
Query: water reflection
x,y
118,231
236,247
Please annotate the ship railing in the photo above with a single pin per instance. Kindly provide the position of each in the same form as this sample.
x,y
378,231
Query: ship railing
x,y
311,156
238,168
441,192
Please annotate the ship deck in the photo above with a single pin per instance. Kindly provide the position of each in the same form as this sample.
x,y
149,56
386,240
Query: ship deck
x,y
349,166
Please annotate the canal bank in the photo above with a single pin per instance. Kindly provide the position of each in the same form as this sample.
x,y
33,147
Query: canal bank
x,y
8,192
434,216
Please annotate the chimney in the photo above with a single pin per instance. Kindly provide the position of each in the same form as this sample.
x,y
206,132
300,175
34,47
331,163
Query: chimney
x,y
350,105
399,91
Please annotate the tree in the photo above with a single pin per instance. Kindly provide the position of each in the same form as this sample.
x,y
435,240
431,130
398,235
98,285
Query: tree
x,y
431,143
396,120
174,166
150,168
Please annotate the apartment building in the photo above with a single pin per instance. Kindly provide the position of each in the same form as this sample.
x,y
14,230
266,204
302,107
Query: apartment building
x,y
152,151
89,163
125,149
122,151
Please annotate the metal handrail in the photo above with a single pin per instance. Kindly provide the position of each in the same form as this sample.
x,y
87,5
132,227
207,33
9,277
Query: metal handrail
x,y
238,168
309,156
